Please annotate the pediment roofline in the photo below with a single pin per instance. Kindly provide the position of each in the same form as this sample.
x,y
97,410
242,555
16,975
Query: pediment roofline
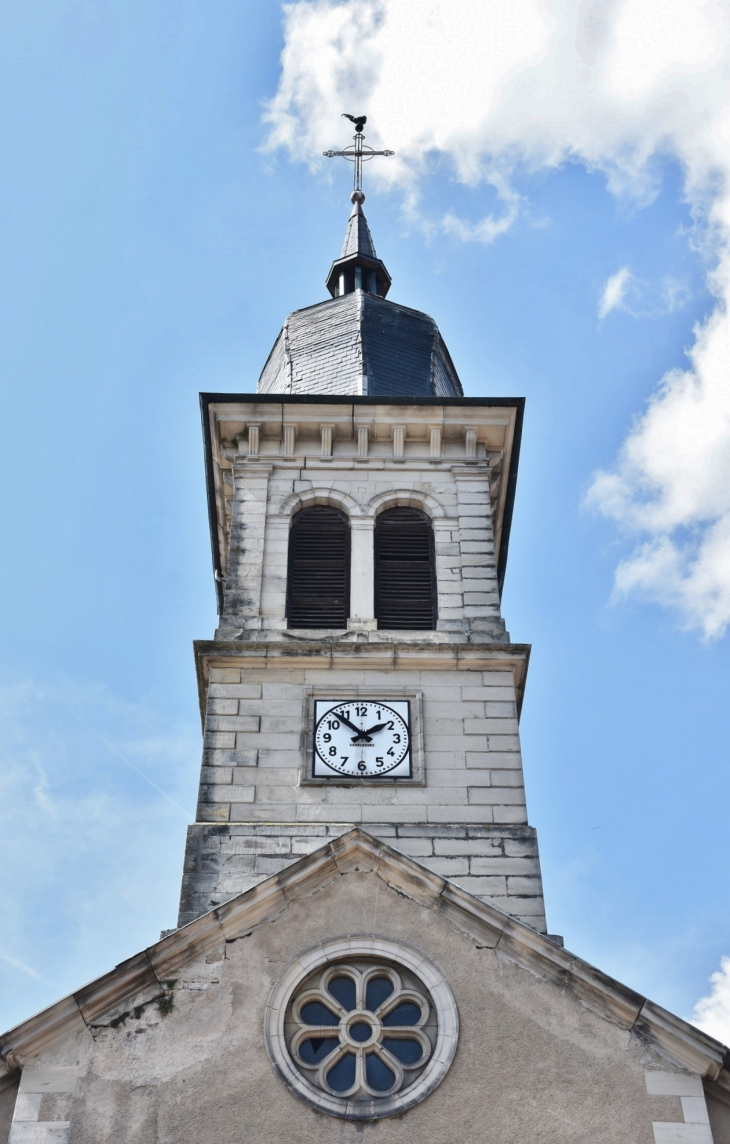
x,y
140,978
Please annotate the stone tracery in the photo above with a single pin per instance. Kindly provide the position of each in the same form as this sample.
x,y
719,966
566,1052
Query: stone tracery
x,y
358,1031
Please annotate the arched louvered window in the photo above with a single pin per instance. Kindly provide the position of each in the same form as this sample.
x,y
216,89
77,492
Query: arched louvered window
x,y
405,575
318,582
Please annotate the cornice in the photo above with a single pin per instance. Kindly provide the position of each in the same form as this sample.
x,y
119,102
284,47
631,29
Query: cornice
x,y
358,852
364,650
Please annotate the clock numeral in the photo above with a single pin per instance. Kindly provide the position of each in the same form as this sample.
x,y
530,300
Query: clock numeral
x,y
327,737
333,750
396,738
361,766
389,726
361,710
344,759
390,752
380,761
333,724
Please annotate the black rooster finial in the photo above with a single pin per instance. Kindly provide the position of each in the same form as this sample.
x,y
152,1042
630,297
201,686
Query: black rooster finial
x,y
358,120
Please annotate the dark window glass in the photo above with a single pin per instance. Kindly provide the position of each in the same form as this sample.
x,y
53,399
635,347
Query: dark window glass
x,y
342,1076
361,1031
407,1052
404,1014
343,990
378,1074
379,990
318,583
316,1049
314,1013
405,578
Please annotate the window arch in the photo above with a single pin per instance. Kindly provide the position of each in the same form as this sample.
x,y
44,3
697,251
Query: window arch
x,y
405,574
318,580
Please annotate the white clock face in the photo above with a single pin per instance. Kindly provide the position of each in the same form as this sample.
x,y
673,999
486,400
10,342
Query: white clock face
x,y
362,738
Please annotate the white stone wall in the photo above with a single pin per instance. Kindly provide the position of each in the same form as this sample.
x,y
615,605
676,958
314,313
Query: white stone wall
x,y
465,808
362,468
255,733
257,810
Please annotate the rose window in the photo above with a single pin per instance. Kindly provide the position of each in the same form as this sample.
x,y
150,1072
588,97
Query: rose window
x,y
360,1030
361,1034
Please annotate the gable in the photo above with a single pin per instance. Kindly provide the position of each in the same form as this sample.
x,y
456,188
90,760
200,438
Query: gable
x,y
170,1046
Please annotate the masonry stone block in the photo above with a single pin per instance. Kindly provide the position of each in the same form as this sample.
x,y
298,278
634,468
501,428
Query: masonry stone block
x,y
415,847
504,742
449,867
222,706
238,863
524,885
509,813
466,847
507,778
246,812
521,847
481,886
219,739
227,792
225,675
258,844
496,796
213,812
216,774
460,814
504,866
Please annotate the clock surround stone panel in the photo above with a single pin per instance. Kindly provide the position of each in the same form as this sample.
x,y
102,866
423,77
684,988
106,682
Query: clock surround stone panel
x,y
414,698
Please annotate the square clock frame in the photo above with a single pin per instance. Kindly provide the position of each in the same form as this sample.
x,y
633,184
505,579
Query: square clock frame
x,y
388,749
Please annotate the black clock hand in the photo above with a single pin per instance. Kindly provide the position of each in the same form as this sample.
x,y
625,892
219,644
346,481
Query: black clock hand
x,y
360,734
372,730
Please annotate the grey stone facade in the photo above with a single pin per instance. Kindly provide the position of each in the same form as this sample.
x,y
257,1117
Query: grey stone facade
x,y
182,1040
463,811
499,864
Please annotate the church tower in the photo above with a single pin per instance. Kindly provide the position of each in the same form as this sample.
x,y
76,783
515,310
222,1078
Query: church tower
x,y
361,955
361,673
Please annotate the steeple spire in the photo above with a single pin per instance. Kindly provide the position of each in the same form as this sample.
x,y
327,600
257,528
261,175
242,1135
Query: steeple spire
x,y
358,239
358,267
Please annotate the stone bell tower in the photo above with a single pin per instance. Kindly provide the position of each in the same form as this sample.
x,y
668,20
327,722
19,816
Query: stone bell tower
x,y
360,511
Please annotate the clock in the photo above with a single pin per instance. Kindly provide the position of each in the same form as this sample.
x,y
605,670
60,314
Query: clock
x,y
362,738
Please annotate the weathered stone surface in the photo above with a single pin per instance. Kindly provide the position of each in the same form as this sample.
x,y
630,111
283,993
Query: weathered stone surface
x,y
221,860
547,1049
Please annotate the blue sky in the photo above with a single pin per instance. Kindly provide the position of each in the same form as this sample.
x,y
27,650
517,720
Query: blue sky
x,y
158,225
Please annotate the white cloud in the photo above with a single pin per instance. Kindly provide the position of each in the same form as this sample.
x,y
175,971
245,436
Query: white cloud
x,y
614,292
617,85
712,1013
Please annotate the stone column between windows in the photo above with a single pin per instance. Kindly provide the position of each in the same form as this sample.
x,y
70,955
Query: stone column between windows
x,y
362,574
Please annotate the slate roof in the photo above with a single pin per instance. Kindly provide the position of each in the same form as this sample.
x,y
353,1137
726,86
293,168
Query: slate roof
x,y
358,239
360,344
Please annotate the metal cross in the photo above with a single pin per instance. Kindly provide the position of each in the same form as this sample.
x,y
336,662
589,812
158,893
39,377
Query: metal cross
x,y
358,154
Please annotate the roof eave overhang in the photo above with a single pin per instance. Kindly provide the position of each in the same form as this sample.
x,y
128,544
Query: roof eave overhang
x,y
143,975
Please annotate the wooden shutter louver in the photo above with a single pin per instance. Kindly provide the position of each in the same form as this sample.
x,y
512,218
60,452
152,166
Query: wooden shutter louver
x,y
318,582
405,579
